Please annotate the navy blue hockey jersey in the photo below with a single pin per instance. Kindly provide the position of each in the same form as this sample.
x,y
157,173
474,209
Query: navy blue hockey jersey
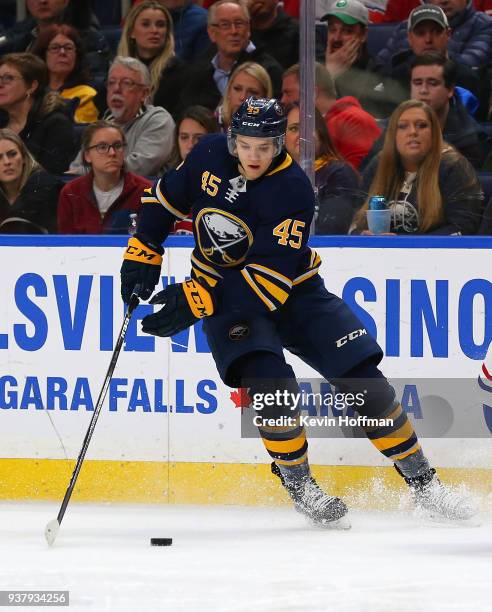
x,y
251,235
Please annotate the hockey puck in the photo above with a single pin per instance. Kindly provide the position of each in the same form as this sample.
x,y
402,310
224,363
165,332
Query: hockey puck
x,y
161,541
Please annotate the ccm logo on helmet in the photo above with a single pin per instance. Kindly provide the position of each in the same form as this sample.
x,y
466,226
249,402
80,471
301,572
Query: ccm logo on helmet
x,y
349,337
251,123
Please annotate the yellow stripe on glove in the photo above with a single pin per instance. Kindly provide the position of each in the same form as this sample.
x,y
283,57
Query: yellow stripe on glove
x,y
198,298
137,251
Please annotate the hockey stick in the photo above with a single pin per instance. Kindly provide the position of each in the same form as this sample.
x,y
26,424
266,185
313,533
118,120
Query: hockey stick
x,y
52,528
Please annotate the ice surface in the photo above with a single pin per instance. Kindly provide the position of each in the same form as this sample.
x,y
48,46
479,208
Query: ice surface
x,y
226,559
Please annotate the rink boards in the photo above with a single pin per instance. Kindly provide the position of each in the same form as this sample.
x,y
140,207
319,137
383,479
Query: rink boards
x,y
169,429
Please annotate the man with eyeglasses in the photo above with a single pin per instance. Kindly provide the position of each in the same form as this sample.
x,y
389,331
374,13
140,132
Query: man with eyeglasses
x,y
76,13
148,129
229,32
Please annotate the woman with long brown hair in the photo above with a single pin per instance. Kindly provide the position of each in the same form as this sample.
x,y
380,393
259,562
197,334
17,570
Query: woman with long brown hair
x,y
148,36
337,183
429,186
103,200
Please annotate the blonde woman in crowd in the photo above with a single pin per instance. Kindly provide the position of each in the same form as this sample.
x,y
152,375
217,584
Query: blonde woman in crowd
x,y
429,186
41,119
28,194
248,79
148,36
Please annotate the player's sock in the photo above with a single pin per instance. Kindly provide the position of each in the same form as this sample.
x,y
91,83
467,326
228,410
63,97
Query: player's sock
x,y
287,445
398,441
308,497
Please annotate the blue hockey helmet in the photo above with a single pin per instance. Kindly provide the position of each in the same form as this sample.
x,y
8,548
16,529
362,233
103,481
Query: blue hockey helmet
x,y
259,118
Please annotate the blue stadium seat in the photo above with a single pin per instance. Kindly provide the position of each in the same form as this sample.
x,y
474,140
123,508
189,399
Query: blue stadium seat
x,y
485,179
486,225
108,12
112,34
486,127
377,35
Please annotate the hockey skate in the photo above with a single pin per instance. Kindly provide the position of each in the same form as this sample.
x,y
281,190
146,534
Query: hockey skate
x,y
309,499
437,502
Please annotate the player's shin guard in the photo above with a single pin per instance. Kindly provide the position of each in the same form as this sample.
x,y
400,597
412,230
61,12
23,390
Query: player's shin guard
x,y
397,439
267,374
287,445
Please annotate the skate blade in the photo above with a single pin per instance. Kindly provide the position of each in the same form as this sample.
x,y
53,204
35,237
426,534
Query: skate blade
x,y
434,519
341,524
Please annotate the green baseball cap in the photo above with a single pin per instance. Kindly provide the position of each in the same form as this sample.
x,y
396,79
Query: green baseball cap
x,y
350,12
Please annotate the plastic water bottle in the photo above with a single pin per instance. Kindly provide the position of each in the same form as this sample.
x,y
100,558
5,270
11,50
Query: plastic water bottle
x,y
132,226
377,203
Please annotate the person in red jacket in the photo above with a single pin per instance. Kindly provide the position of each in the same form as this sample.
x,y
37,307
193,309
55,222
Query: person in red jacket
x,y
352,130
101,201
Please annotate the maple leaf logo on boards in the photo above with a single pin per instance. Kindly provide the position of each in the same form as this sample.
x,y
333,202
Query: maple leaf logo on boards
x,y
240,398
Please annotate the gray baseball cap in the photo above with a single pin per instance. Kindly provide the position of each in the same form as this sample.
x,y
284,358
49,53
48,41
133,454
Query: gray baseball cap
x,y
427,12
350,12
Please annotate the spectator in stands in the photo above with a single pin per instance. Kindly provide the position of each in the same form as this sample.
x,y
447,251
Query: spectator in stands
x,y
248,79
195,122
41,119
28,194
291,7
274,32
337,183
352,130
101,201
148,129
229,31
433,80
429,186
47,12
399,10
346,56
190,27
60,46
148,36
428,30
470,37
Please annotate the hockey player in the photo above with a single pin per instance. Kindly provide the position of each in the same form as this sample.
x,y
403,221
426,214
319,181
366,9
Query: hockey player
x,y
255,283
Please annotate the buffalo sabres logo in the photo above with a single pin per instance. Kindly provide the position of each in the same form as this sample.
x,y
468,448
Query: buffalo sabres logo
x,y
238,332
223,238
405,216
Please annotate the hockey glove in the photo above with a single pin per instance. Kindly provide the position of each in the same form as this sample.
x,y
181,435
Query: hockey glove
x,y
184,304
141,264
